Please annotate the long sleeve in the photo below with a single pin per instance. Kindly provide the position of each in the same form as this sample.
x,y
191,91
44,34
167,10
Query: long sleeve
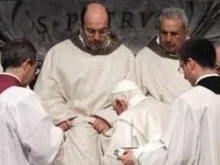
x,y
36,131
50,90
178,144
108,113
158,76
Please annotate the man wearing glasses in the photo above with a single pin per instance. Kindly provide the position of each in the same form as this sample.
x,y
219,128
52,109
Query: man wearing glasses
x,y
28,136
192,136
75,84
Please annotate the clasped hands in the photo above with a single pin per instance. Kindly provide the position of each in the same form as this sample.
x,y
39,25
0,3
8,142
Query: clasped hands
x,y
99,124
127,158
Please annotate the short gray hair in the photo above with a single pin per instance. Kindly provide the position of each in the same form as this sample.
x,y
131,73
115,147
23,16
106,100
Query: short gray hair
x,y
174,12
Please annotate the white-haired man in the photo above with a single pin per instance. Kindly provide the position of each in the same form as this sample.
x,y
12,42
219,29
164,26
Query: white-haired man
x,y
141,119
192,137
157,63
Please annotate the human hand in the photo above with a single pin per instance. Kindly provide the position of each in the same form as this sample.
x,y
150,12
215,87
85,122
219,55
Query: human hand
x,y
100,125
65,125
127,158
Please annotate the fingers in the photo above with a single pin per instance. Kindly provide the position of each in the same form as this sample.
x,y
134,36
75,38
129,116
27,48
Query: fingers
x,y
99,125
66,125
69,123
127,158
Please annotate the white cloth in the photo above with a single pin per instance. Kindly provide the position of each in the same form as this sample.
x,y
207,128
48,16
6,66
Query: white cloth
x,y
158,76
27,134
73,83
192,136
124,85
138,126
1,69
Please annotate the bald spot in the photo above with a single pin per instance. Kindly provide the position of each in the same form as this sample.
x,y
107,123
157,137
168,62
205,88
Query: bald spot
x,y
96,16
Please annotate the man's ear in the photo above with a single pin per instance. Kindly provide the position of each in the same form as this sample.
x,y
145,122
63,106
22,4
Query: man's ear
x,y
121,104
192,64
26,64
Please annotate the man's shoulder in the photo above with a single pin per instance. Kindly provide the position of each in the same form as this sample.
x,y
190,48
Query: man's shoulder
x,y
17,94
125,49
196,96
60,48
62,44
146,52
197,89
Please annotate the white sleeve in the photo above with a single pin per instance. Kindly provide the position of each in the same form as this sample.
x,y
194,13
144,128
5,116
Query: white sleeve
x,y
178,143
37,132
50,91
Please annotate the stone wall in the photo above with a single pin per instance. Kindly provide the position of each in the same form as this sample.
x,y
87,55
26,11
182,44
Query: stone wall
x,y
47,22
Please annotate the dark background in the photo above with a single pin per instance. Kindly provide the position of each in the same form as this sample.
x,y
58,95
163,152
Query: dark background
x,y
47,22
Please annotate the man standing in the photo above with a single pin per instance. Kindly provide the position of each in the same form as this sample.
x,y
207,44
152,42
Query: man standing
x,y
192,136
76,80
28,136
157,64
141,119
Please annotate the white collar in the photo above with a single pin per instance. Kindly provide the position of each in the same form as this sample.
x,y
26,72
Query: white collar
x,y
205,76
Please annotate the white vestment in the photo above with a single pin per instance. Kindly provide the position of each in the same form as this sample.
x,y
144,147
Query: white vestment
x,y
76,84
1,69
192,137
159,76
27,134
138,126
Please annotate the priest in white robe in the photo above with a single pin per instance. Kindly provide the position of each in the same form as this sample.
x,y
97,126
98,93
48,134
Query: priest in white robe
x,y
157,63
75,84
27,134
141,119
192,137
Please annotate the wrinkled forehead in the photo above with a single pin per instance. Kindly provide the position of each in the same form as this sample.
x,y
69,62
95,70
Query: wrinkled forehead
x,y
174,23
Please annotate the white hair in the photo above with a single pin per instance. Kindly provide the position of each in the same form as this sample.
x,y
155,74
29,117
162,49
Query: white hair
x,y
173,12
125,95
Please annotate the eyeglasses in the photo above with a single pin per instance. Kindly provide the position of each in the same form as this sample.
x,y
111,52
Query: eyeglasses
x,y
182,65
92,32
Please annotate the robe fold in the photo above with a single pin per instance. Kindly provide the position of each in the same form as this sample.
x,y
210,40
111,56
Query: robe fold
x,y
157,74
192,137
137,126
28,135
75,84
